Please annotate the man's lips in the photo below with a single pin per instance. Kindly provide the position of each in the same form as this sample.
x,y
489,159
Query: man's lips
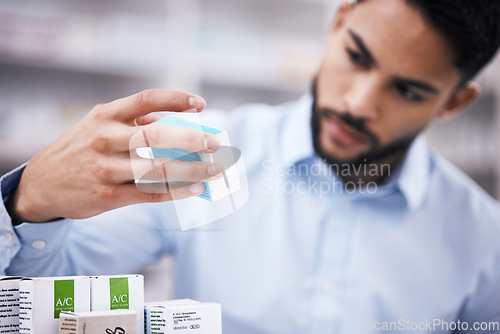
x,y
344,133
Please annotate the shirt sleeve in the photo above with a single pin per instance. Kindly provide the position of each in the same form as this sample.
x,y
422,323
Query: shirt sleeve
x,y
9,242
116,242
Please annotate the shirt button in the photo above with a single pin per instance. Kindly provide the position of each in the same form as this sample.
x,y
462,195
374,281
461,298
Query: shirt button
x,y
38,244
11,238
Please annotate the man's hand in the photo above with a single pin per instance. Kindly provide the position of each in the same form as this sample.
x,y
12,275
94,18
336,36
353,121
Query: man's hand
x,y
88,170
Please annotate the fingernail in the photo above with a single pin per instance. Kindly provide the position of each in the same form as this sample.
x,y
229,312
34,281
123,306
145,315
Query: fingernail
x,y
196,102
196,188
212,142
214,170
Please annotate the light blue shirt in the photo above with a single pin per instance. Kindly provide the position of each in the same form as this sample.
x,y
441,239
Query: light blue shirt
x,y
300,257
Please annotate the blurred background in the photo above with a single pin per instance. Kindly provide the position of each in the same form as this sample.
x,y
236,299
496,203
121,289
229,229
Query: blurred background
x,y
58,58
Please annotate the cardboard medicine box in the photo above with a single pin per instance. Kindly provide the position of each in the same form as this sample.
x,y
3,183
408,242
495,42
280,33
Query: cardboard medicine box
x,y
42,299
9,304
214,190
125,292
104,322
183,316
154,315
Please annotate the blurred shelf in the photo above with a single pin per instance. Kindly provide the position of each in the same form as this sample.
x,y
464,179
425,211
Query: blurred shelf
x,y
83,52
251,81
123,44
59,52
268,16
272,61
149,8
469,140
77,69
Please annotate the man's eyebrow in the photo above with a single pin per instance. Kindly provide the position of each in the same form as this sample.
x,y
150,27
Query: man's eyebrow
x,y
362,47
407,81
417,84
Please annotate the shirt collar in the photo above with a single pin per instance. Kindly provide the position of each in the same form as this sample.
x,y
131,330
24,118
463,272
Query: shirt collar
x,y
411,178
297,133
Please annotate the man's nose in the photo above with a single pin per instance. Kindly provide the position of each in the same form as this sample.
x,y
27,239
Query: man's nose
x,y
364,97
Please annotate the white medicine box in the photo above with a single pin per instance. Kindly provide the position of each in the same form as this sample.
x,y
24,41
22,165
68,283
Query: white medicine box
x,y
125,292
42,299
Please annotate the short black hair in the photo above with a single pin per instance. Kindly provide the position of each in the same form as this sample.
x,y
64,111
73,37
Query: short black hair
x,y
471,26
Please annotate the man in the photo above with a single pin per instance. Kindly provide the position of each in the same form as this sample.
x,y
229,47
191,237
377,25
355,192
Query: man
x,y
353,225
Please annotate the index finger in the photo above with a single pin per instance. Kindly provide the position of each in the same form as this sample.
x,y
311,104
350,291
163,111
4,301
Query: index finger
x,y
138,105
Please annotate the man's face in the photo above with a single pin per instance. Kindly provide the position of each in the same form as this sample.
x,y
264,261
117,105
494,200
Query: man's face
x,y
386,74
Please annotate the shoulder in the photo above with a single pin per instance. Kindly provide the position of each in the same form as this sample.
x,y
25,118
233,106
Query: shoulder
x,y
461,191
469,216
461,223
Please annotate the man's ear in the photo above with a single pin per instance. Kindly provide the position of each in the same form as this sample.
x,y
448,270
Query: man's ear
x,y
340,16
460,99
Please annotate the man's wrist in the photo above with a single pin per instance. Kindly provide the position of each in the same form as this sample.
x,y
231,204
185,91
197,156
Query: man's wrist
x,y
11,210
16,218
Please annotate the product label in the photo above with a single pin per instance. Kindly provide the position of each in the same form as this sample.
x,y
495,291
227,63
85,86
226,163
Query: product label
x,y
68,325
156,322
186,320
25,311
118,289
9,308
64,297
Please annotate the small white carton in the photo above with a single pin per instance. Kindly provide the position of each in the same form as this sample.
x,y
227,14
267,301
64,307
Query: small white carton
x,y
184,316
154,315
9,304
103,322
42,299
125,292
226,156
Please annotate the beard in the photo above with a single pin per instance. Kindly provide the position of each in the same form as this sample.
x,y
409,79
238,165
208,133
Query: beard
x,y
375,154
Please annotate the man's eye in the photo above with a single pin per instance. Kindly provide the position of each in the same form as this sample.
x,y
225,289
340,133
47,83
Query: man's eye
x,y
409,94
357,58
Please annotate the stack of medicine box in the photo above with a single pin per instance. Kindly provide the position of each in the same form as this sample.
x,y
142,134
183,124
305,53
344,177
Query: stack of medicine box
x,y
99,304
34,305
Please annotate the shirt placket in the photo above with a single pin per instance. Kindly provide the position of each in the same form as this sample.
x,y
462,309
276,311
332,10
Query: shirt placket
x,y
330,276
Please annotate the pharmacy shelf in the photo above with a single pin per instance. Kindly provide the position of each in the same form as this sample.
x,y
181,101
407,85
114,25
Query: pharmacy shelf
x,y
471,139
275,62
120,43
149,8
228,51
108,49
90,46
76,69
